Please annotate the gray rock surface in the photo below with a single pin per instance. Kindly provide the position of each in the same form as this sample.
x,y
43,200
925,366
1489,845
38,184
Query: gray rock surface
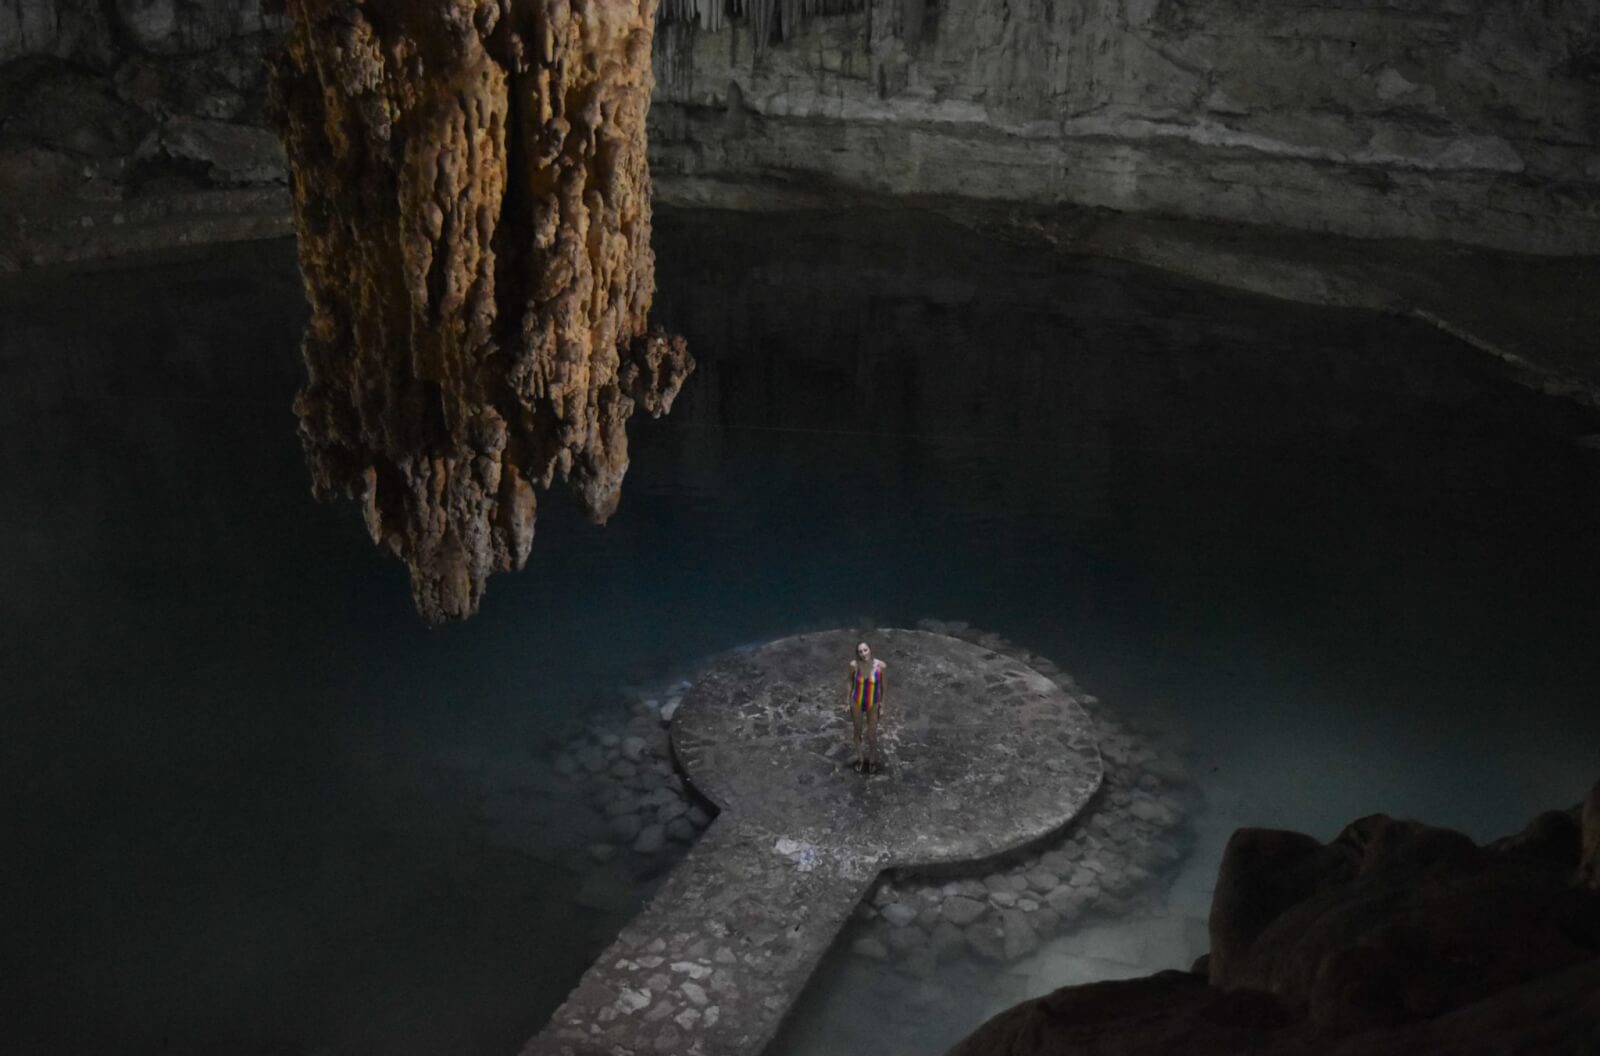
x,y
962,911
1019,937
233,154
651,839
626,827
64,107
1466,121
1043,880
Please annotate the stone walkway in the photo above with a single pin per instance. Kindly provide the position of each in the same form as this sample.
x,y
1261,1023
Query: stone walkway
x,y
984,755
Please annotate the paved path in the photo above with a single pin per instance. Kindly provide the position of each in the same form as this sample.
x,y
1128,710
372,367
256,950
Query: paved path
x,y
984,755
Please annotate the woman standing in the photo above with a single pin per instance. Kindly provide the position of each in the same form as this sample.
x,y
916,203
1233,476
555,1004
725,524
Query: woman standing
x,y
866,701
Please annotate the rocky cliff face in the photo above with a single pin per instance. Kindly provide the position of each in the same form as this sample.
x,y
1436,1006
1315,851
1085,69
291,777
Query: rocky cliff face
x,y
105,101
1461,119
1394,938
1468,120
473,208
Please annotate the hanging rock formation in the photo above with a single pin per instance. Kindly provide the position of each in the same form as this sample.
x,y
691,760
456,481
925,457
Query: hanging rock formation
x,y
473,206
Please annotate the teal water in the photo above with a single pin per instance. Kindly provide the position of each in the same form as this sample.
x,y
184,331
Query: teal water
x,y
245,786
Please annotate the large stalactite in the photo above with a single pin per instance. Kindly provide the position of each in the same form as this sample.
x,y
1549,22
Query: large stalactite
x,y
473,207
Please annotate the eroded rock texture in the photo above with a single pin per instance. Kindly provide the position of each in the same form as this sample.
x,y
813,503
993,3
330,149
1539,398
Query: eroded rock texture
x,y
473,206
1469,120
1396,937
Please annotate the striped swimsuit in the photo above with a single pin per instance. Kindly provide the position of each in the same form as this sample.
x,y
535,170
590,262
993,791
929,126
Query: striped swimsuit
x,y
866,690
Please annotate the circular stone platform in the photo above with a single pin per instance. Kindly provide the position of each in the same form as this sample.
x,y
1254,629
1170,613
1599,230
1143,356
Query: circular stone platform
x,y
982,753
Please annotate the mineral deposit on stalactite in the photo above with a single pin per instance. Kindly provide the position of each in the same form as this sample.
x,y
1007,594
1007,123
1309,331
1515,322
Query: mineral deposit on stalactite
x,y
473,208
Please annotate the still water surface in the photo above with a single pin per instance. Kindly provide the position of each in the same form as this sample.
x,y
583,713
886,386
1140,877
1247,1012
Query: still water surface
x,y
245,787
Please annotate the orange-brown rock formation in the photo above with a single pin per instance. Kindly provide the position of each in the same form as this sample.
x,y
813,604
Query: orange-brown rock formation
x,y
473,208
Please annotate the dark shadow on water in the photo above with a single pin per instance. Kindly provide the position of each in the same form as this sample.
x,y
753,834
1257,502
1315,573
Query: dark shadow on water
x,y
245,786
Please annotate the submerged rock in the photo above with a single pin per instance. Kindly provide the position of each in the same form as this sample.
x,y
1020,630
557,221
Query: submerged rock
x,y
869,948
651,839
961,910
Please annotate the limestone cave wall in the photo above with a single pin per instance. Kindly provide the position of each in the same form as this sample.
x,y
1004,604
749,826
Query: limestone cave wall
x,y
1469,120
101,102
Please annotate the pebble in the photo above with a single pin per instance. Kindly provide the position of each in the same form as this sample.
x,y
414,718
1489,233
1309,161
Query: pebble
x,y
988,940
680,830
1057,862
962,910
1043,880
698,818
633,749
1004,899
1068,901
625,827
1020,938
869,948
651,839
899,914
630,1000
1149,810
